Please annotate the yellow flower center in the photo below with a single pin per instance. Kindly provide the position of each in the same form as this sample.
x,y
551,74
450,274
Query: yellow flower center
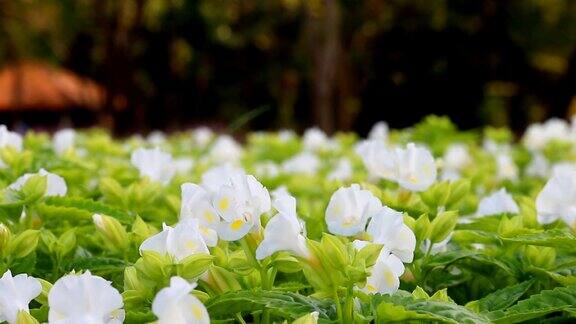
x,y
197,312
209,216
191,245
236,225
224,203
389,277
370,288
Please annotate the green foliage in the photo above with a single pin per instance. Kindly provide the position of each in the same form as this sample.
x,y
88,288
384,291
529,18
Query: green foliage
x,y
283,304
462,268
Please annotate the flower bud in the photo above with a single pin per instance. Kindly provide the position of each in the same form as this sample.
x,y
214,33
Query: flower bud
x,y
131,280
443,225
5,238
195,265
66,243
141,231
24,243
114,233
25,318
539,256
311,318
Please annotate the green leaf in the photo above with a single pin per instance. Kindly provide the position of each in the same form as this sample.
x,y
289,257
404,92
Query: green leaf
x,y
97,264
446,258
475,236
389,313
283,304
546,302
501,298
450,312
551,238
139,317
446,312
112,191
88,207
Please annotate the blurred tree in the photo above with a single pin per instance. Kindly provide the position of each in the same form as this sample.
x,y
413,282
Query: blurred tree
x,y
342,64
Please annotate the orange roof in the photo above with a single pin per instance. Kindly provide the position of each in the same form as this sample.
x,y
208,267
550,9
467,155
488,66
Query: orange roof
x,y
39,86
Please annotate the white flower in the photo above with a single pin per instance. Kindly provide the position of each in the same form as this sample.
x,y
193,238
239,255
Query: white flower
x,y
84,298
497,203
539,166
379,131
155,164
314,139
196,203
218,176
280,191
183,165
63,140
305,163
267,169
240,203
284,231
379,160
436,247
286,134
413,168
15,295
180,241
10,139
450,175
456,157
506,168
55,184
225,148
385,275
387,227
202,136
349,209
494,147
562,168
538,135
557,200
416,168
175,304
342,171
156,138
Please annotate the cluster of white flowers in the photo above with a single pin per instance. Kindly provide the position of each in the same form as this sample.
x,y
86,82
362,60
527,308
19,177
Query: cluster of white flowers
x,y
413,167
455,160
348,213
228,204
73,298
86,298
538,135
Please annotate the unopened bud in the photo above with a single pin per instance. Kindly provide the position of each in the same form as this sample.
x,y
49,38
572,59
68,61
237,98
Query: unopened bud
x,y
114,233
5,237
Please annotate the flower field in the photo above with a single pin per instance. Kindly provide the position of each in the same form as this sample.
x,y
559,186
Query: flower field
x,y
425,224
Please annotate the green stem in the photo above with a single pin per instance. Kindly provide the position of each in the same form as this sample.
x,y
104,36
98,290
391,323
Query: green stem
x,y
338,307
428,251
266,285
240,319
265,281
349,305
250,254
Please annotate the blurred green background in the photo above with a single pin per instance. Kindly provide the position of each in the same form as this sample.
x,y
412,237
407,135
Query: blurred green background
x,y
342,65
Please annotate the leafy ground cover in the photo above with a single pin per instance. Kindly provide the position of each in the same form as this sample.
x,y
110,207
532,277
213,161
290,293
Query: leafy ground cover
x,y
426,224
